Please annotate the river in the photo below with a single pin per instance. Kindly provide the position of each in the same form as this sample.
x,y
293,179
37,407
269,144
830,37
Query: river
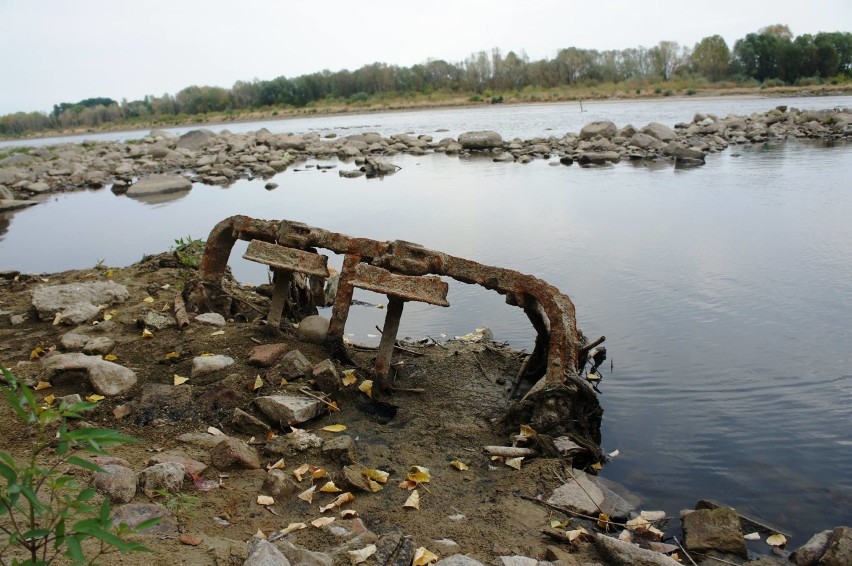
x,y
725,292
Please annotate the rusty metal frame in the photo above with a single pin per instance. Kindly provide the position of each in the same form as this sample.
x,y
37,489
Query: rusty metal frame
x,y
559,344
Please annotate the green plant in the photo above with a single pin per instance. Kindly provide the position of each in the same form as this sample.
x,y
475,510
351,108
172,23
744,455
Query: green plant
x,y
188,251
44,512
182,505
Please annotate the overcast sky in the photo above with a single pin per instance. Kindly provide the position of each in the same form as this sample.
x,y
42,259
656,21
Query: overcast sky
x,y
66,50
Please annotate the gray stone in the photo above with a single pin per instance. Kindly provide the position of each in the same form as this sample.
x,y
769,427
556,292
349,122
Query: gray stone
x,y
263,553
515,561
245,423
116,482
839,551
158,321
341,449
278,484
645,141
504,157
598,158
234,453
394,549
190,466
69,400
659,131
73,341
76,301
13,204
313,329
681,152
166,476
288,411
211,318
302,556
587,495
16,159
445,546
106,378
133,514
201,439
459,560
203,365
326,377
295,365
6,194
809,553
159,184
100,345
486,139
716,529
620,553
270,186
196,140
604,129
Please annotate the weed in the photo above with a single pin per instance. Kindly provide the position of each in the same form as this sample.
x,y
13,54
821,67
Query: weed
x,y
182,505
188,251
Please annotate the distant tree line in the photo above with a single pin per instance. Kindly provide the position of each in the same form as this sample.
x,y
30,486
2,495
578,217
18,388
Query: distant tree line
x,y
772,56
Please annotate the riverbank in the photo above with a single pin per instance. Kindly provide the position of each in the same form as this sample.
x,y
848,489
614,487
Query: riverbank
x,y
423,102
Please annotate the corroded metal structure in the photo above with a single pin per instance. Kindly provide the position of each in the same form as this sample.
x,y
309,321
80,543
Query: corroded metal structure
x,y
559,353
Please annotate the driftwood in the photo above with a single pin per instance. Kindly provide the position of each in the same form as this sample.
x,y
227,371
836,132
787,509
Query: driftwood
x,y
180,312
510,451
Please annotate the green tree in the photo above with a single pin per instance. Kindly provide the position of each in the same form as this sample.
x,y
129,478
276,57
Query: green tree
x,y
711,57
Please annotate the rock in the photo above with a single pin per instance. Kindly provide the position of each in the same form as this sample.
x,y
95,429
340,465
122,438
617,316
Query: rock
x,y
234,453
445,546
341,449
201,439
504,157
203,365
313,329
515,561
586,494
270,186
73,399
157,321
73,341
76,301
809,553
716,529
681,152
295,365
351,174
659,131
6,194
266,355
604,129
302,556
598,158
211,318
167,476
195,140
459,560
645,141
326,377
192,467
116,482
100,345
566,160
13,204
159,184
278,484
263,553
248,424
160,400
620,553
486,139
394,549
288,411
106,378
119,187
16,159
107,460
133,514
839,551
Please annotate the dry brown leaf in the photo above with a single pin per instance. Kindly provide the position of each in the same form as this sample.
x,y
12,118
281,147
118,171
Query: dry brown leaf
x,y
334,428
418,474
301,471
49,399
515,462
42,385
460,466
217,333
293,527
329,487
752,536
603,521
147,333
265,500
57,318
639,524
148,300
214,431
407,484
279,465
367,387
260,534
107,316
177,379
527,431
322,521
257,384
376,475
348,514
332,407
338,501
362,555
36,353
776,540
308,494
422,557
349,377
374,485
317,473
122,411
413,501
171,355
597,466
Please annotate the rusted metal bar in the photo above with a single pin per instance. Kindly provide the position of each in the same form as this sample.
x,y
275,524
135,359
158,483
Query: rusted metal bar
x,y
391,327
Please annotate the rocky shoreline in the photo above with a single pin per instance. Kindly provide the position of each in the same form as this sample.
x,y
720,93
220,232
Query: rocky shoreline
x,y
220,159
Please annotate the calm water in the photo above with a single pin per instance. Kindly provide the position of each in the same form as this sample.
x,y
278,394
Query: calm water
x,y
725,291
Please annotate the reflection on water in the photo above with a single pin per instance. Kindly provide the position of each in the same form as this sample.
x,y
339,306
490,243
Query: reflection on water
x,y
725,293
160,198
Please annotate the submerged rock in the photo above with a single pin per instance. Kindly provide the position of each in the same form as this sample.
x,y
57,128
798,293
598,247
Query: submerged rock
x,y
159,184
486,139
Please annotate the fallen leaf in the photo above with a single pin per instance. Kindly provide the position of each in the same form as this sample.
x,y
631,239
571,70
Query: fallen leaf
x,y
270,435
308,494
377,475
207,355
257,384
107,316
57,319
202,484
147,334
413,501
110,357
776,540
460,466
497,458
42,385
367,387
603,521
614,454
260,534
301,471
177,379
625,536
110,274
217,333
332,407
557,524
349,377
317,473
408,484
752,536
359,556
527,431
375,486
49,399
166,308
418,474
171,355
36,353
422,557
577,533
338,501
148,300
329,487
322,521
94,398
189,540
265,500
214,431
597,466
293,527
279,465
283,382
515,462
348,514
334,428
638,524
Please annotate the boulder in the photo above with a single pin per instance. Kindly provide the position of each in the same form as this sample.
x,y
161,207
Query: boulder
x,y
620,553
278,484
341,449
6,193
288,411
203,365
598,158
261,552
295,365
326,377
234,453
76,302
38,187
159,184
313,329
106,378
167,476
13,204
248,424
459,560
73,341
99,346
195,140
211,318
116,482
809,553
604,129
16,159
839,551
302,556
659,131
192,467
486,139
716,529
645,141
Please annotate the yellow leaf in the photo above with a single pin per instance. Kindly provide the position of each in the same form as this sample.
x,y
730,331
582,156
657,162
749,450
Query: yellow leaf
x,y
603,521
413,501
107,316
207,355
217,333
171,355
515,462
110,357
301,471
260,534
283,382
367,387
279,465
293,527
361,555
557,524
418,474
334,428
527,431
258,383
349,377
308,494
338,501
147,334
148,300
332,406
329,487
110,273
407,484
36,353
377,475
49,399
597,466
639,524
460,466
322,521
265,500
776,540
317,473
496,458
94,398
177,379
375,486
422,557
577,533
166,308
42,385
